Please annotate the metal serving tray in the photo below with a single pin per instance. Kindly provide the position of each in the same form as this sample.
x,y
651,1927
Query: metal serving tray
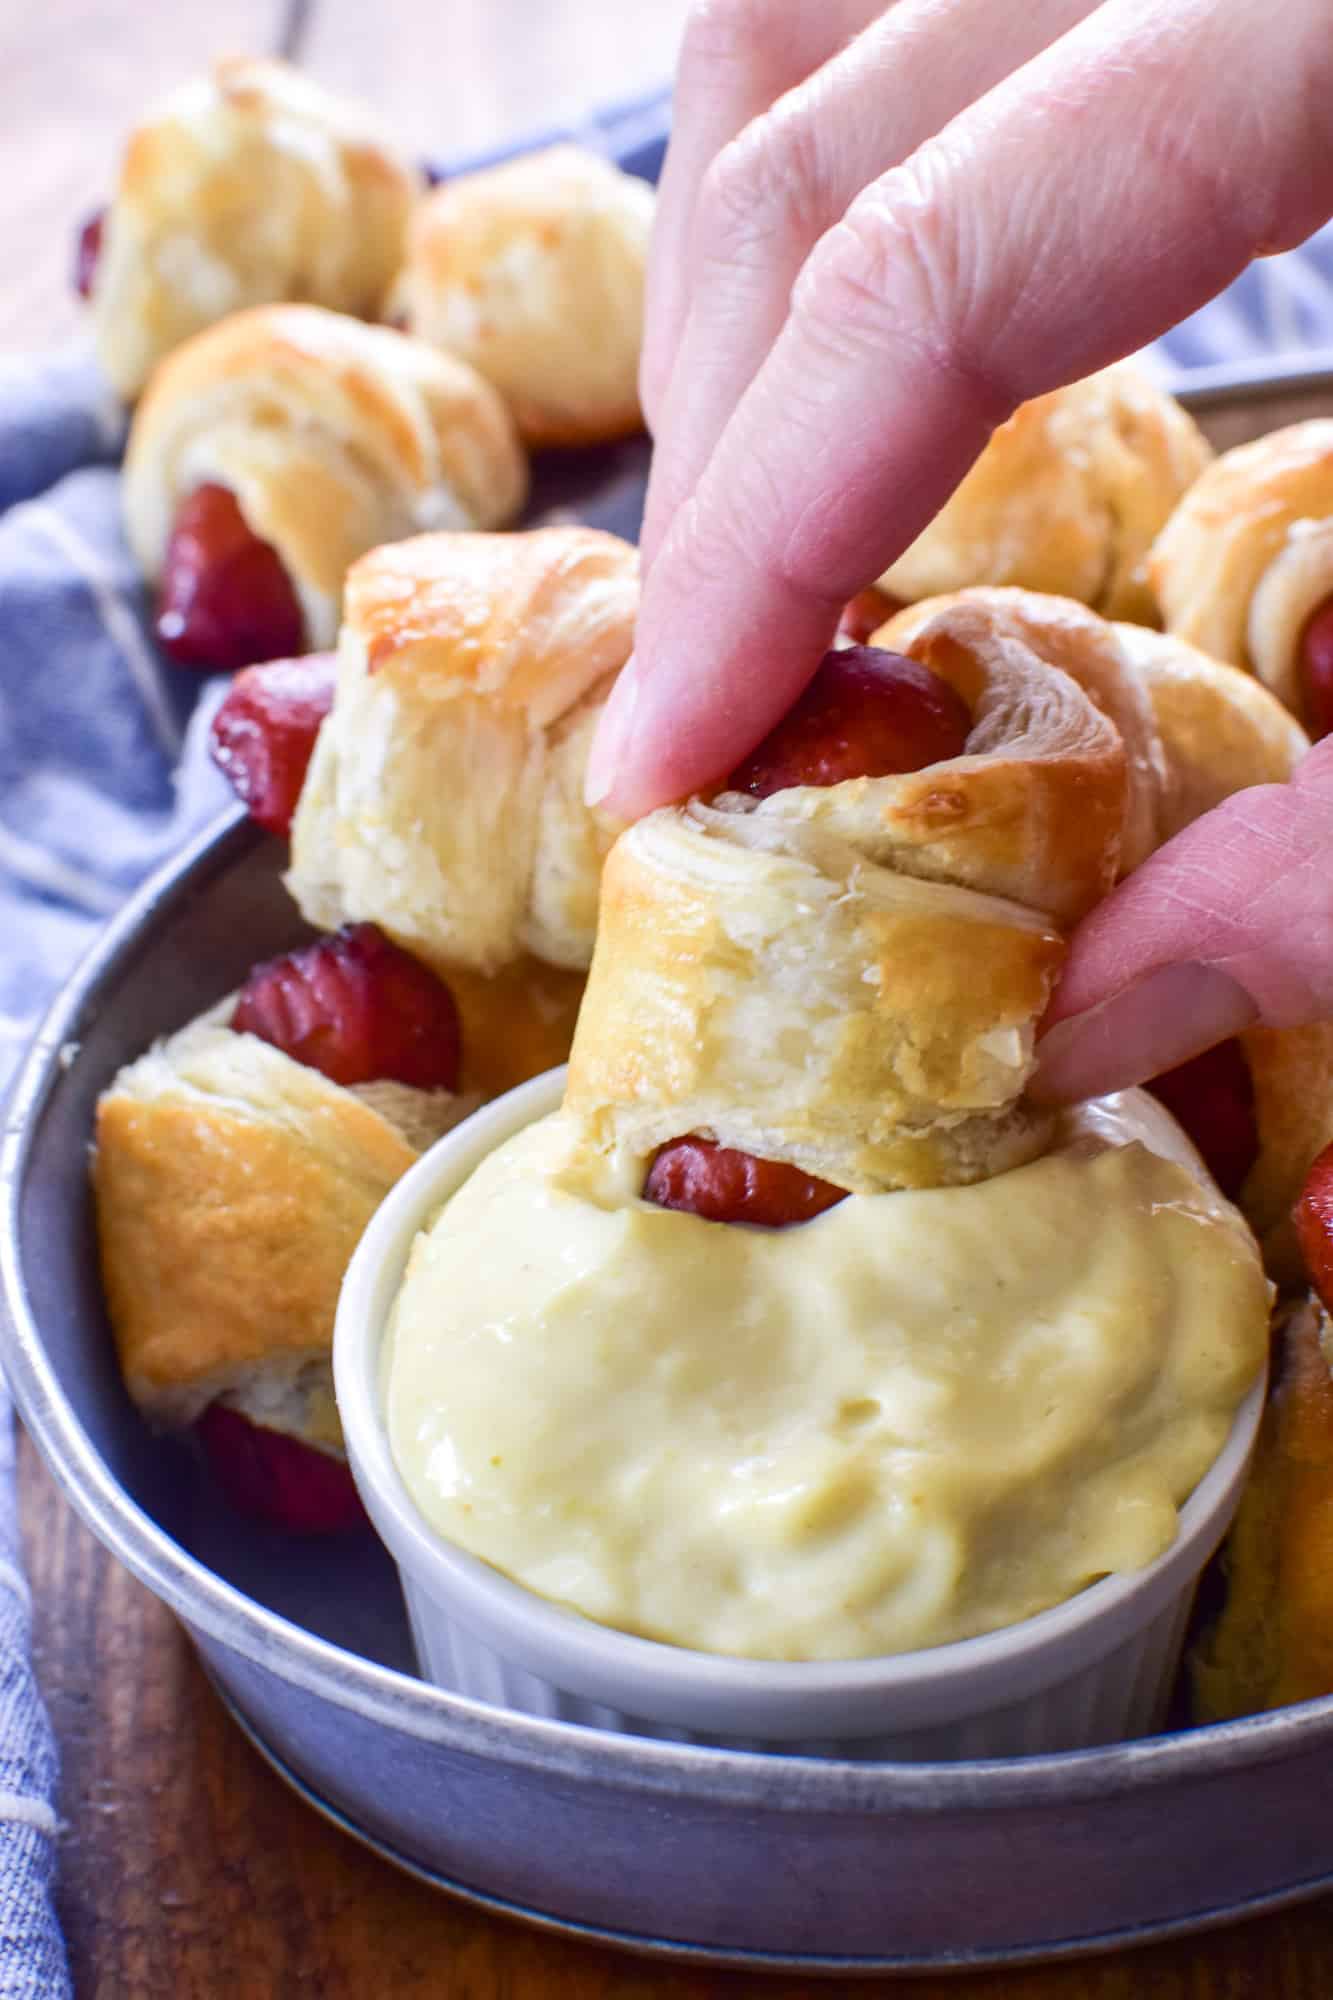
x,y
727,1857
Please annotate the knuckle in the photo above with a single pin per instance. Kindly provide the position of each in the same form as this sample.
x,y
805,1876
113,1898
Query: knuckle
x,y
765,182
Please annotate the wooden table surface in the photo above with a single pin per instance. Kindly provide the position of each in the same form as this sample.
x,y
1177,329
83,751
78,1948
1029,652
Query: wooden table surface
x,y
187,1867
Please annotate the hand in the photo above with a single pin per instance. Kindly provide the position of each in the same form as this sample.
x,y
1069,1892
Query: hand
x,y
854,282
1229,923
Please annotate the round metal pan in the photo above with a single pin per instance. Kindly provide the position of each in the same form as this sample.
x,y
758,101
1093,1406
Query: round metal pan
x,y
798,1863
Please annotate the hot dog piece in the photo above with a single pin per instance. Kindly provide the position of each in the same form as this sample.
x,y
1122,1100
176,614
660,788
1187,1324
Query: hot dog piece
x,y
225,600
864,614
265,731
1212,1096
866,714
1316,671
276,1478
87,250
1314,1225
358,1009
723,1185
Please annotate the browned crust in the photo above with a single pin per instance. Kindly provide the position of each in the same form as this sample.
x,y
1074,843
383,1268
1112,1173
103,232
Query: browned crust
x,y
517,1023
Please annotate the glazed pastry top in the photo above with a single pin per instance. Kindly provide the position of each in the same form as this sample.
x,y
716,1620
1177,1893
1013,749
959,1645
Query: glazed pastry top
x,y
246,185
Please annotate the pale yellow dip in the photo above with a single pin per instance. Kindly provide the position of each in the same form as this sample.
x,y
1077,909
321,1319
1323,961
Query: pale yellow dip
x,y
919,1417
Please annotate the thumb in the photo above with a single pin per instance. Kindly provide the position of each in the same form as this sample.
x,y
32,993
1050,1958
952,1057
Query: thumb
x,y
1229,923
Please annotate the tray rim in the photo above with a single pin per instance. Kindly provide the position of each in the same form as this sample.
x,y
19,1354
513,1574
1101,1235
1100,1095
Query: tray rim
x,y
205,1601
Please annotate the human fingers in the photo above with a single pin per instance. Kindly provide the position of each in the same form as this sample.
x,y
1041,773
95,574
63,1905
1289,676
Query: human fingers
x,y
736,57
1180,141
1229,923
773,191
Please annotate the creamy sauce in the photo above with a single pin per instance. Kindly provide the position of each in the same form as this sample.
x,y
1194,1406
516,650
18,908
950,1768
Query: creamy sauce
x,y
922,1416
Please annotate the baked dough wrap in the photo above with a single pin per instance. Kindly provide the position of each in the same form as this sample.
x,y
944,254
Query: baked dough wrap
x,y
444,800
1066,498
849,978
1273,1643
1247,556
1220,729
232,1185
247,185
534,272
913,1418
332,435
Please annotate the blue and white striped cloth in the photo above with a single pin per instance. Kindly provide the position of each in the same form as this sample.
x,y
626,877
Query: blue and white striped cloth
x,y
104,772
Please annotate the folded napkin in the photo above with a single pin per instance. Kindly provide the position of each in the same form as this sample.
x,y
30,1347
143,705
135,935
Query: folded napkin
x,y
104,772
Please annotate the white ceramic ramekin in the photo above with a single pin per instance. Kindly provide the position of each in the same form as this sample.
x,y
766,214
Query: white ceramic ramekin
x,y
1092,1670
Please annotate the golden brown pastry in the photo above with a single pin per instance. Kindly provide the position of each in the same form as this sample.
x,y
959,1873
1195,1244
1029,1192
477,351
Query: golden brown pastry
x,y
534,272
232,1185
517,1021
745,1337
444,798
247,185
1259,1107
1244,566
1274,1641
1219,729
846,977
1066,498
331,435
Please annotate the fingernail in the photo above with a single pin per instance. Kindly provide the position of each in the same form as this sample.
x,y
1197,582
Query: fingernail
x,y
1161,1020
610,746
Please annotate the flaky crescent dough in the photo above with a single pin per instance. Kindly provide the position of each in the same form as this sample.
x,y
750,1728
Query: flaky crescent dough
x,y
534,272
444,800
1292,1073
247,185
1066,498
1274,1641
1247,556
849,978
333,436
232,1185
1220,730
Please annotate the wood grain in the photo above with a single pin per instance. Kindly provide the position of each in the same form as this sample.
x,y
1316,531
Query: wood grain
x,y
188,1868
455,76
